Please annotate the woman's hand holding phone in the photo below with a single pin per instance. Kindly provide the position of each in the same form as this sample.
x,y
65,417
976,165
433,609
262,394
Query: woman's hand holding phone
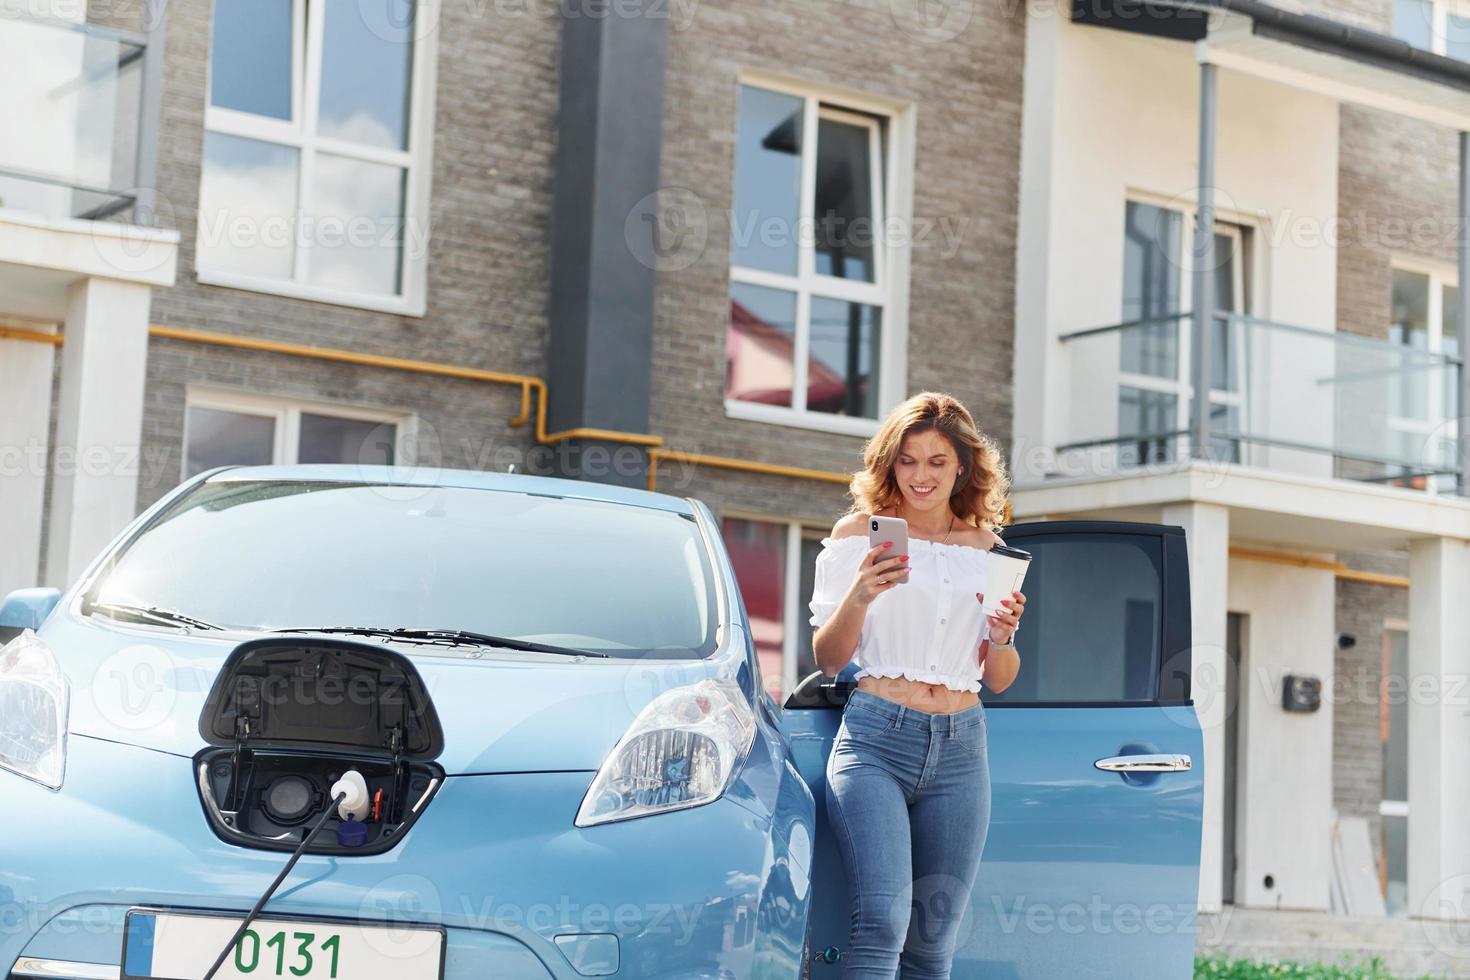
x,y
877,574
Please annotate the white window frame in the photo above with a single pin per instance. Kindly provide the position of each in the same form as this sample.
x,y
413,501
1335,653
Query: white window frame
x,y
890,286
1181,386
1392,808
1441,276
287,414
300,134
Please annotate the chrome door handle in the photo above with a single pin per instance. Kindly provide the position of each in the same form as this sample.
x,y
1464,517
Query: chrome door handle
x,y
1168,762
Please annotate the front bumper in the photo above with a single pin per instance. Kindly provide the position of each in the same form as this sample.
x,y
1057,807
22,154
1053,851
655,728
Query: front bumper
x,y
495,859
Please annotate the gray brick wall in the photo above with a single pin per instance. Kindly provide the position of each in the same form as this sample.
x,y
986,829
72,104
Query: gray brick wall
x,y
1357,761
491,200
1396,197
967,91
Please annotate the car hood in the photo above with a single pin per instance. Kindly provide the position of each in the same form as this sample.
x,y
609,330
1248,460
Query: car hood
x,y
499,713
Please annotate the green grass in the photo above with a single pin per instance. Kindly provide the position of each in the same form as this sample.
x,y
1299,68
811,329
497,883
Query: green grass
x,y
1224,968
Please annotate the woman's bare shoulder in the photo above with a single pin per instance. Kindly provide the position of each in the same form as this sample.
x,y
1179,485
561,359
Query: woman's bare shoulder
x,y
980,537
849,525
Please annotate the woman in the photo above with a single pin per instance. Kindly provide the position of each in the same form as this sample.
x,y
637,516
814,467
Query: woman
x,y
908,780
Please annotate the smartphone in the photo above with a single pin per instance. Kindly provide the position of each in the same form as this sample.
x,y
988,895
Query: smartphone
x,y
894,529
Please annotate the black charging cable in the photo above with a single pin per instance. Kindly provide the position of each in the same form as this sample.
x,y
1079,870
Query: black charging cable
x,y
295,856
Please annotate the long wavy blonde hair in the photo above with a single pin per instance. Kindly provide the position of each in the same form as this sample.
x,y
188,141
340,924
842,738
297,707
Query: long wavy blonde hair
x,y
982,490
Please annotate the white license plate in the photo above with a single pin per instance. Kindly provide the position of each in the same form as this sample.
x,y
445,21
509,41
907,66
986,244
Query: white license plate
x,y
183,946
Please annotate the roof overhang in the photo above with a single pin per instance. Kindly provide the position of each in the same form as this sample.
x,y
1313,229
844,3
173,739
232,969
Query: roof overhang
x,y
1305,51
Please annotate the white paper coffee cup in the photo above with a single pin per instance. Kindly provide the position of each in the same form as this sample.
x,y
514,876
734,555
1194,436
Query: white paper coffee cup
x,y
1004,572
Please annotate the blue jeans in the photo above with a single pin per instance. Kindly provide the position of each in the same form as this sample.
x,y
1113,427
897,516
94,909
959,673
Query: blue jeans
x,y
908,799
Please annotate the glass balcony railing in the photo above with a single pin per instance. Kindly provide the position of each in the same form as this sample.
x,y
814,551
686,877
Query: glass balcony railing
x,y
1283,397
74,113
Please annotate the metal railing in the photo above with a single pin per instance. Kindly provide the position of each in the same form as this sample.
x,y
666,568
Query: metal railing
x,y
1285,397
80,114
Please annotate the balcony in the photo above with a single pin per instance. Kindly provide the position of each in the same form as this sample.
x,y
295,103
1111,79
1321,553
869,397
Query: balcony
x,y
1285,398
81,101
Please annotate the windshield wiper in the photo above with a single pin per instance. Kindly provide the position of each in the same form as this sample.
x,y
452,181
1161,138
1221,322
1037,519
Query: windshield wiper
x,y
454,637
153,614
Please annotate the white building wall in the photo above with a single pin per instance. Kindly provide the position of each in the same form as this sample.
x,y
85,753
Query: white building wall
x,y
1108,115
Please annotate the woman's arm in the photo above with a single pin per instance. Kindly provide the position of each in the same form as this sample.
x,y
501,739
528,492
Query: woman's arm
x,y
1001,664
836,640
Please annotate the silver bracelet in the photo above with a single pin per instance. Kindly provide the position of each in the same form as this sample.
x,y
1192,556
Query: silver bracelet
x,y
1008,645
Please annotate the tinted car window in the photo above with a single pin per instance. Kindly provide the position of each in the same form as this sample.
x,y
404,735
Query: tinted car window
x,y
1094,619
624,580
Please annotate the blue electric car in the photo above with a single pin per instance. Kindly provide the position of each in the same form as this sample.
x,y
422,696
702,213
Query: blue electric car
x,y
550,697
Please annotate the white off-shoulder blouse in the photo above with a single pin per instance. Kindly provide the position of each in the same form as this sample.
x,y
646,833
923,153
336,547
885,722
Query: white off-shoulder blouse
x,y
928,628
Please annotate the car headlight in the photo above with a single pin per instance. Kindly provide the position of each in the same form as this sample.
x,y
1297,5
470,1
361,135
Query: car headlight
x,y
682,750
33,705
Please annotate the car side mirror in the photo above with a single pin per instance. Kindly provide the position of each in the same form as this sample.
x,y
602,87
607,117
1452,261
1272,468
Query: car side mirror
x,y
27,608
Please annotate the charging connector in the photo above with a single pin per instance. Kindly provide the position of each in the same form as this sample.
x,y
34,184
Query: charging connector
x,y
337,799
356,802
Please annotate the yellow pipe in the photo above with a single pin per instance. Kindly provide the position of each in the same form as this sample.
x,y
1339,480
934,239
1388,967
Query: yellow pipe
x,y
20,333
1337,568
730,463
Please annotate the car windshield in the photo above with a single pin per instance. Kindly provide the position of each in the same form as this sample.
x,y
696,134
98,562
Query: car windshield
x,y
622,580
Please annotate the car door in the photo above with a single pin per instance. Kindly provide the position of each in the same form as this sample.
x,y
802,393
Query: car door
x,y
1091,863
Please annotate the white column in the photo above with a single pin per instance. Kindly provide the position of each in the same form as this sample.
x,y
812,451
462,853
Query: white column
x,y
1285,831
1439,728
99,422
26,368
1207,533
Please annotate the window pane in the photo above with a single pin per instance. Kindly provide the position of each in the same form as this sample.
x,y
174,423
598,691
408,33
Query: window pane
x,y
767,181
250,57
758,553
1145,413
1449,344
367,54
326,439
760,345
844,221
1396,861
1413,21
1101,641
247,204
1151,250
1457,37
1408,388
1223,368
222,438
1224,418
842,371
357,209
1395,720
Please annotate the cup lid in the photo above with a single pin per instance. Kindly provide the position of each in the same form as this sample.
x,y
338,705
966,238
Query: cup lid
x,y
1009,552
